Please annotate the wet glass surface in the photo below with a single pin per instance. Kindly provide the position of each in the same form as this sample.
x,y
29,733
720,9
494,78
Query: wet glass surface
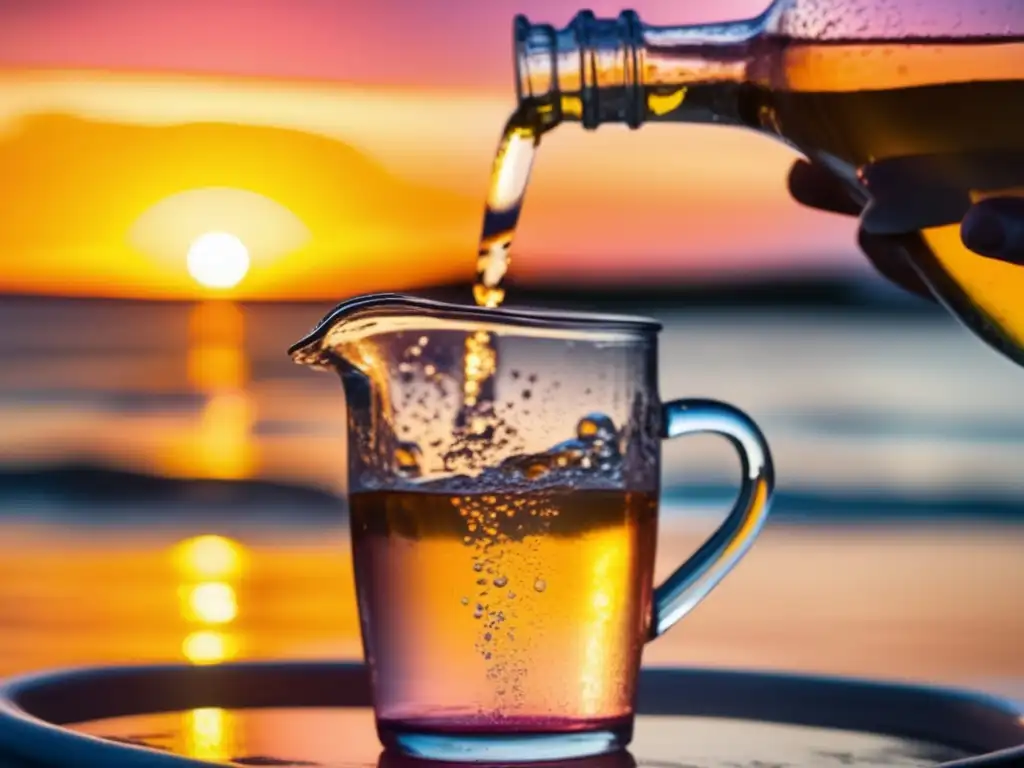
x,y
335,737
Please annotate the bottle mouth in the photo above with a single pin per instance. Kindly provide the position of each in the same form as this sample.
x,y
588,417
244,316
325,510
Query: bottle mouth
x,y
588,71
534,47
520,33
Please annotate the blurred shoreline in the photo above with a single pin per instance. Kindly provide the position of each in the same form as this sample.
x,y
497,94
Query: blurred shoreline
x,y
836,290
877,405
90,495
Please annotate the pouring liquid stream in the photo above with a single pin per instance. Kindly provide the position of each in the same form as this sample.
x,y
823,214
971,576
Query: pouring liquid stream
x,y
510,175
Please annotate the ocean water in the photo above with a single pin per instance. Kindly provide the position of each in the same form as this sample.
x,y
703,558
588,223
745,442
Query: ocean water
x,y
895,549
874,407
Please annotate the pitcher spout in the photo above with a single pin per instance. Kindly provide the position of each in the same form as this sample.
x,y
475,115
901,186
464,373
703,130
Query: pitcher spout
x,y
363,317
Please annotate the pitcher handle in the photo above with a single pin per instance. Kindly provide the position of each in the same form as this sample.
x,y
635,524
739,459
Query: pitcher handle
x,y
693,580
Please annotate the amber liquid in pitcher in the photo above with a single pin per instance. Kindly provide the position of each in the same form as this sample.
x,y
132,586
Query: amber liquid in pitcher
x,y
479,606
920,124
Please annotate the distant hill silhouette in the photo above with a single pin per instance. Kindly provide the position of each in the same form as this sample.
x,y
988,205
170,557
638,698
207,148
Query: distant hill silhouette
x,y
83,491
86,484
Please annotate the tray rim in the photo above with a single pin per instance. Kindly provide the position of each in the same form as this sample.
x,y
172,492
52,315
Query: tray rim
x,y
35,707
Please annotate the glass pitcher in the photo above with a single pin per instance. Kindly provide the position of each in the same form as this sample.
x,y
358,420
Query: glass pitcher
x,y
504,471
917,106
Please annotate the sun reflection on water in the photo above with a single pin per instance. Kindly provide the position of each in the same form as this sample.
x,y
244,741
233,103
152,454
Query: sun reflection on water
x,y
209,733
210,557
208,646
220,443
210,569
212,602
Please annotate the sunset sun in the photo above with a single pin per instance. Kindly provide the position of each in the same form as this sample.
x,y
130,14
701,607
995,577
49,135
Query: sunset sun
x,y
218,260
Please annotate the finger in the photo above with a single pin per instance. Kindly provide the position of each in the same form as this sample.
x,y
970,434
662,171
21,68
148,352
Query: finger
x,y
912,193
895,214
890,258
816,187
995,228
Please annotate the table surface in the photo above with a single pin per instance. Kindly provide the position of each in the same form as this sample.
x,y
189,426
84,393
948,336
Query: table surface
x,y
345,737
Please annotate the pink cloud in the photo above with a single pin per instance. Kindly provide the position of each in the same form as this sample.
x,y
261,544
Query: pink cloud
x,y
439,43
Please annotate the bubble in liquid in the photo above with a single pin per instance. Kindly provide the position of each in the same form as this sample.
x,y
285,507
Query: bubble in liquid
x,y
478,612
407,460
596,426
464,601
478,567
536,470
540,585
501,581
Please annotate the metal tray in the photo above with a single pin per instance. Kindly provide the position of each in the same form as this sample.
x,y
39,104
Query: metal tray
x,y
317,714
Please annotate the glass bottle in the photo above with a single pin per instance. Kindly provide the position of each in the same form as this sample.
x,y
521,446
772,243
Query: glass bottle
x,y
916,105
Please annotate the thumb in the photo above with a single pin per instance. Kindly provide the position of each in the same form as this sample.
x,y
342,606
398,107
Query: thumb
x,y
995,228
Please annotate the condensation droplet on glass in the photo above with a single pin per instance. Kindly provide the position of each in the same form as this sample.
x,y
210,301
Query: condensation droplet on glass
x,y
501,581
478,567
596,426
540,585
478,611
464,601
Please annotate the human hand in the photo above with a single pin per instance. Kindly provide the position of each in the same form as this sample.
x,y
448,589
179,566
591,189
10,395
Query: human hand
x,y
993,228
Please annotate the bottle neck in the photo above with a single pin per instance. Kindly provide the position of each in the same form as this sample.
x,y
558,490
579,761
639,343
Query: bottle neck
x,y
620,70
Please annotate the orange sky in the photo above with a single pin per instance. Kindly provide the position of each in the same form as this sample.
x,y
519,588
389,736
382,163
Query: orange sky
x,y
349,151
